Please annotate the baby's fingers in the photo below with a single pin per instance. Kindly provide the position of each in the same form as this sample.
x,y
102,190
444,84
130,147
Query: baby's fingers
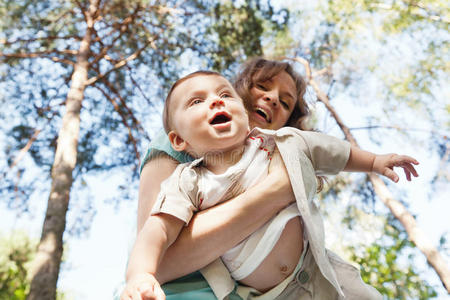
x,y
130,294
410,168
400,160
159,293
389,173
407,174
135,295
151,292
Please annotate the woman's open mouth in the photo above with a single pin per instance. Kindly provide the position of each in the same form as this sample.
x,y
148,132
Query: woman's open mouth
x,y
263,114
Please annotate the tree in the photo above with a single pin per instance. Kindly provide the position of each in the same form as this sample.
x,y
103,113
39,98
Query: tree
x,y
77,63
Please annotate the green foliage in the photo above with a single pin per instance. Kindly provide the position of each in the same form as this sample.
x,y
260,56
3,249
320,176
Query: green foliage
x,y
383,21
239,28
378,244
382,266
15,252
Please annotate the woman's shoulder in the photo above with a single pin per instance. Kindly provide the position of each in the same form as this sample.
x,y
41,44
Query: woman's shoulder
x,y
160,146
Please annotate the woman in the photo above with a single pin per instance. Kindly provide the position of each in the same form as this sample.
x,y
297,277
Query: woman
x,y
273,93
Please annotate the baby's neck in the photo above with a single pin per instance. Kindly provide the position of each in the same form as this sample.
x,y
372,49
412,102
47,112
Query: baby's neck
x,y
219,162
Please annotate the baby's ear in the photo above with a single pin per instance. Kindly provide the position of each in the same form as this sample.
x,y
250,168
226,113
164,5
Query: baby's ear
x,y
178,144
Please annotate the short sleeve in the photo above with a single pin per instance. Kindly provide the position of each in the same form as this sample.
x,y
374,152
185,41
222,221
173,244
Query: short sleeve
x,y
160,145
174,198
328,154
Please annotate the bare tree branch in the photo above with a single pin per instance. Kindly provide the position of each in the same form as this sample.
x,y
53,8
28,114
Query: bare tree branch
x,y
122,29
83,10
47,38
38,54
434,132
120,64
130,113
445,157
124,122
25,149
426,14
139,88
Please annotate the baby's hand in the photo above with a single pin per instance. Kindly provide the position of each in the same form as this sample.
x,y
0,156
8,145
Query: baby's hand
x,y
142,287
384,165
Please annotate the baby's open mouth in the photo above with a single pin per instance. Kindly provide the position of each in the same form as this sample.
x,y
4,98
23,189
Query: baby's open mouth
x,y
220,118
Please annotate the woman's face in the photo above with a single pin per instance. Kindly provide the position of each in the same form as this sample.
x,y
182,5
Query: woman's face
x,y
272,101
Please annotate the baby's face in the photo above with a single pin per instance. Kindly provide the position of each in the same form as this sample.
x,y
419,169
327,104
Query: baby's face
x,y
207,115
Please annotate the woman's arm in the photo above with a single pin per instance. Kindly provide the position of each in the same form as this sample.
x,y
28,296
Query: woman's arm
x,y
213,231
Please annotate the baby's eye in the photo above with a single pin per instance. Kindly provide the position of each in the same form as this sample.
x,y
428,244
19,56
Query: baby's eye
x,y
225,95
196,101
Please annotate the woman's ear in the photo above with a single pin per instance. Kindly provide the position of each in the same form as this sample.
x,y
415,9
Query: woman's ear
x,y
178,144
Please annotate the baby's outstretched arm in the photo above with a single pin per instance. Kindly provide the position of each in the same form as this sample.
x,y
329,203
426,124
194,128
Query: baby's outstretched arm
x,y
364,161
158,233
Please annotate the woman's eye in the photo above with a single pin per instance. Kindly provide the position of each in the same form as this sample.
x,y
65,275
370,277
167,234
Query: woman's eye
x,y
285,105
261,87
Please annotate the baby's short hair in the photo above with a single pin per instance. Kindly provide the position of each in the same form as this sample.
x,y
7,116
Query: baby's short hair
x,y
166,112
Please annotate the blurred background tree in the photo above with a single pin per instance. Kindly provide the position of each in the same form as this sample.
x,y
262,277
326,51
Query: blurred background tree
x,y
77,62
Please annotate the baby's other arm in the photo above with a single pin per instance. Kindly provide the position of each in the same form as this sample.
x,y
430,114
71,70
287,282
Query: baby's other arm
x,y
153,174
157,234
364,161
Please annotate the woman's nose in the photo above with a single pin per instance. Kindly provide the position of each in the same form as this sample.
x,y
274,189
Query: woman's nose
x,y
216,103
271,99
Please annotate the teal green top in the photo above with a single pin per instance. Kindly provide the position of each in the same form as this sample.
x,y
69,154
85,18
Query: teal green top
x,y
160,144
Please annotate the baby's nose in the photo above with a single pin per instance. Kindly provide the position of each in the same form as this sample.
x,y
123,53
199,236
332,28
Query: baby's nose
x,y
217,102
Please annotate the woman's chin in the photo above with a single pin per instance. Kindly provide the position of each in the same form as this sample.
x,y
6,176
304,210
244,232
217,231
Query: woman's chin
x,y
259,123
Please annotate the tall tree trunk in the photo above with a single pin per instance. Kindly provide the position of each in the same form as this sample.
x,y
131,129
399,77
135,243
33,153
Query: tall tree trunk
x,y
415,234
45,267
